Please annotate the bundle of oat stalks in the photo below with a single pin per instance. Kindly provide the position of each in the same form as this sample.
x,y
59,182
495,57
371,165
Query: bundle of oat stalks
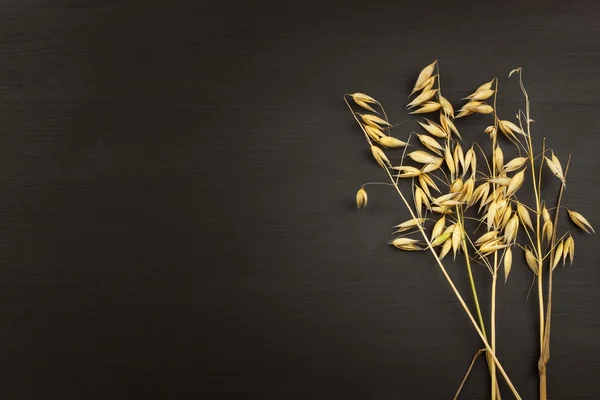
x,y
462,200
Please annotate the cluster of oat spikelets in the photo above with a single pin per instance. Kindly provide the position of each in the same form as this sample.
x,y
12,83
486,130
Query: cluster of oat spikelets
x,y
492,191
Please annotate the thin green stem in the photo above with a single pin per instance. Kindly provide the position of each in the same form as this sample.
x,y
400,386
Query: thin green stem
x,y
474,289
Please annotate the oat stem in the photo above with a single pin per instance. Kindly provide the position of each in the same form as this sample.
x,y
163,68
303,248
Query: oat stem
x,y
456,292
545,353
489,360
495,269
538,204
493,321
468,372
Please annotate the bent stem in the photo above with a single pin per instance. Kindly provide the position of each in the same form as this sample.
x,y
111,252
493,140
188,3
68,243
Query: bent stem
x,y
462,384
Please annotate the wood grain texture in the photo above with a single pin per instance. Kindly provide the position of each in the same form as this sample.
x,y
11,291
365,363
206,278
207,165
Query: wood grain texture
x,y
176,199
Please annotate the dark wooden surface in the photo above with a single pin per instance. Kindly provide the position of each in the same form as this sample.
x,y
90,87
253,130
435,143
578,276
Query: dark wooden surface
x,y
176,199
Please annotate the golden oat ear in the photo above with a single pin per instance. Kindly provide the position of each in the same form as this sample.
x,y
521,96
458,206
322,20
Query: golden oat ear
x,y
580,221
428,107
507,263
422,98
361,198
424,75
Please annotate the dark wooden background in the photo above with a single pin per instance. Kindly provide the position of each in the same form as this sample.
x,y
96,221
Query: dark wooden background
x,y
176,199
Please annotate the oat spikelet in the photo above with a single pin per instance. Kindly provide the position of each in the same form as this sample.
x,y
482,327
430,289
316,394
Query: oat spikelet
x,y
449,160
547,230
531,261
364,105
361,198
485,86
456,240
507,263
446,106
431,144
363,97
556,161
486,237
429,83
443,198
524,215
418,200
406,244
474,166
425,188
424,75
491,131
499,158
580,221
422,98
557,254
570,245
468,189
364,101
503,181
469,157
481,95
374,133
411,223
556,169
515,164
374,121
391,142
545,214
459,157
425,180
421,199
445,249
515,183
449,126
491,214
432,167
428,107
509,129
483,109
481,193
506,216
422,157
512,228
441,239
470,105
438,228
434,129
456,186
492,246
380,157
406,171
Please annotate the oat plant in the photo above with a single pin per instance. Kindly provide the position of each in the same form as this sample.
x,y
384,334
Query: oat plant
x,y
464,200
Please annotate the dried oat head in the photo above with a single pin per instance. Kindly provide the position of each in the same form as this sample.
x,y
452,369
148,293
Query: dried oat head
x,y
361,198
